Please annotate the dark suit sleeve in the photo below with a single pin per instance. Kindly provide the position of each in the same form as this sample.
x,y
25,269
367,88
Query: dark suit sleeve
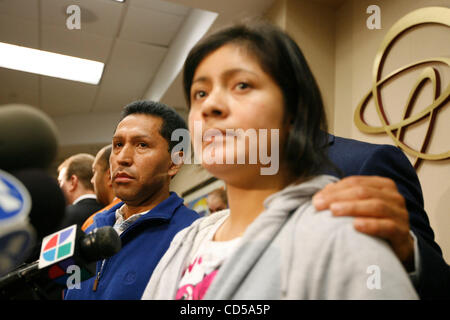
x,y
78,213
389,161
68,219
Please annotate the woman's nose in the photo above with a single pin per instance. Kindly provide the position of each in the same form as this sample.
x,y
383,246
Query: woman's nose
x,y
215,105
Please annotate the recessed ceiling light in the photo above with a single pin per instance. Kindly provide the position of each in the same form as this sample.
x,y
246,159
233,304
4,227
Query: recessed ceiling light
x,y
50,64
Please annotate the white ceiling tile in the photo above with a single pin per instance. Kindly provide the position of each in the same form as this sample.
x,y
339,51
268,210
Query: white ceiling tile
x,y
19,31
66,97
24,9
174,96
19,87
76,43
161,6
151,27
128,74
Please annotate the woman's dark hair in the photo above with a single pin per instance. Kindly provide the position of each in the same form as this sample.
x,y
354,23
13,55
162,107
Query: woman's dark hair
x,y
281,58
171,119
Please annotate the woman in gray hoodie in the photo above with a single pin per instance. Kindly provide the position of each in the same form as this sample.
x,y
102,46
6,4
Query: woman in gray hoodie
x,y
257,109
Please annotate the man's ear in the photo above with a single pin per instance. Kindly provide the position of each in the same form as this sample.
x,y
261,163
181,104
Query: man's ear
x,y
108,178
175,163
73,182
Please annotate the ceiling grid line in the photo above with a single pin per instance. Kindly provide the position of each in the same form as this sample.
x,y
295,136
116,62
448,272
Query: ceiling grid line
x,y
108,58
39,41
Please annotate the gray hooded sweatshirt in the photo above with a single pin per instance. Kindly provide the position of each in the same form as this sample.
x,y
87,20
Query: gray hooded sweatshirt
x,y
290,251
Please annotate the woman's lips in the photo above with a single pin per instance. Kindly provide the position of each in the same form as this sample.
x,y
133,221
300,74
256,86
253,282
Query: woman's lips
x,y
214,135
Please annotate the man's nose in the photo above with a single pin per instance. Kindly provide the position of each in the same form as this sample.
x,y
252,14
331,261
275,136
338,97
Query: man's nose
x,y
125,156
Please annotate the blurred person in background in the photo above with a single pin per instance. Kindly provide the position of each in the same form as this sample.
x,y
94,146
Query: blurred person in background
x,y
101,180
217,200
74,178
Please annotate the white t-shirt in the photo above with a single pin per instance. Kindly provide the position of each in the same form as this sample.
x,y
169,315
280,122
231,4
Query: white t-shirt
x,y
203,266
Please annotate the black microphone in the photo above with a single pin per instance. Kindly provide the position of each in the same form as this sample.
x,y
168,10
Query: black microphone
x,y
47,200
28,138
100,244
31,202
73,248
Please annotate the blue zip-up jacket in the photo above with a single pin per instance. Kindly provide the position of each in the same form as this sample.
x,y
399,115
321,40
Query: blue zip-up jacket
x,y
125,275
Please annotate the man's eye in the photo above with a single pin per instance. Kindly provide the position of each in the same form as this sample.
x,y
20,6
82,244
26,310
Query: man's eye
x,y
142,144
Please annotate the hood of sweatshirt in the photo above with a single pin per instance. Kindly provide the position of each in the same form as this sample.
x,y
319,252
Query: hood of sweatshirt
x,y
291,197
255,239
278,207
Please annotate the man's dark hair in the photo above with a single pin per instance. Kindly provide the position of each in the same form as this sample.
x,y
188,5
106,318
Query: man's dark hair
x,y
171,120
281,58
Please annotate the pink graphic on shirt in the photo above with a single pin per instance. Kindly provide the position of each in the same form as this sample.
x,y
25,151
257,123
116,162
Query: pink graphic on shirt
x,y
189,268
195,291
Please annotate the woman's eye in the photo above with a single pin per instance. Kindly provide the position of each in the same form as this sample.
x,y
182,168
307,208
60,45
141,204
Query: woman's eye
x,y
199,94
143,145
242,85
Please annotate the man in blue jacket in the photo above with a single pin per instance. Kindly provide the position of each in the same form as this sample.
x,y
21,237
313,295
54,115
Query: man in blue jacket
x,y
392,211
150,215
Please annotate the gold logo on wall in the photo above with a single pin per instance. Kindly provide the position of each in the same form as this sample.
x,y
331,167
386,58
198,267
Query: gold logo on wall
x,y
431,15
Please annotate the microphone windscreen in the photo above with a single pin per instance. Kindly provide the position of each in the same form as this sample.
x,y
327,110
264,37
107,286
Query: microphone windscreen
x,y
47,200
100,244
28,138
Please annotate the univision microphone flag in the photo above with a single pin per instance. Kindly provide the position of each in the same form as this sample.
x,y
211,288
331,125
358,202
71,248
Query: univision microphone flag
x,y
60,253
58,246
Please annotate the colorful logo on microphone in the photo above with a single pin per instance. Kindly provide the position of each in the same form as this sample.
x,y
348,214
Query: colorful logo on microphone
x,y
57,246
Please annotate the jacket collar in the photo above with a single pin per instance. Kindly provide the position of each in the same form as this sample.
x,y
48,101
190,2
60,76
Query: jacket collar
x,y
163,211
330,139
84,197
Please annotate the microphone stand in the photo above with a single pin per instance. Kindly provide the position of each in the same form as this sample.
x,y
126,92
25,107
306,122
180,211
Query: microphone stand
x,y
20,273
25,274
